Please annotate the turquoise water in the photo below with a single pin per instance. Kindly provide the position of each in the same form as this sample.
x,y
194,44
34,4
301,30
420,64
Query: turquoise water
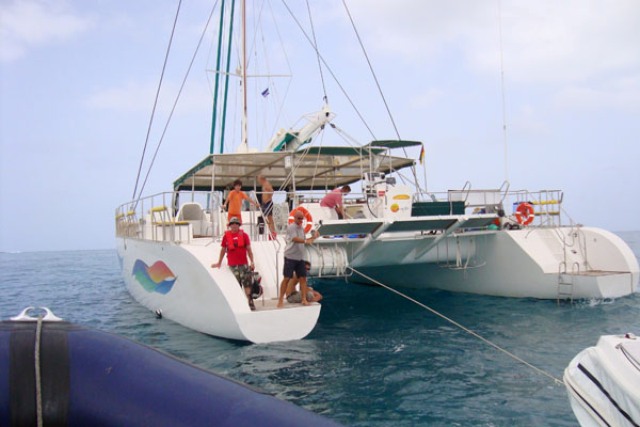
x,y
374,359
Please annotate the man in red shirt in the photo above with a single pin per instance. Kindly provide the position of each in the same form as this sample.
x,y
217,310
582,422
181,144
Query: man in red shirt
x,y
237,246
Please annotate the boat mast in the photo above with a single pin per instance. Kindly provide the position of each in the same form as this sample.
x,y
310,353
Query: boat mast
x,y
217,80
221,61
226,77
244,146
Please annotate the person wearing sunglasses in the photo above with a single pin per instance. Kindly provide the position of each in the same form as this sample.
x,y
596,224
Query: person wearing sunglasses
x,y
237,246
294,258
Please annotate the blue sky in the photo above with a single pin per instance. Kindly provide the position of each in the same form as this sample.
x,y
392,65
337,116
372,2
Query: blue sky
x,y
78,80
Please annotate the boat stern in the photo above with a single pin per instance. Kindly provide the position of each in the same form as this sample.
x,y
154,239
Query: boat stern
x,y
270,324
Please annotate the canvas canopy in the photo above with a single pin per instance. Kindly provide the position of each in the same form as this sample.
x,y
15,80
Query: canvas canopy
x,y
311,168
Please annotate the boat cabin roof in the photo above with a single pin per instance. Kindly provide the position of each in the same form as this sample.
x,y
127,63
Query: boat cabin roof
x,y
312,167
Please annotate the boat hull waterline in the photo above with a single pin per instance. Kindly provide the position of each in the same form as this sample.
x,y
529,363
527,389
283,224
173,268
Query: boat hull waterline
x,y
210,300
524,263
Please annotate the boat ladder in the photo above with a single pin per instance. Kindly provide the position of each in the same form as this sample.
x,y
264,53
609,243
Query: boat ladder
x,y
566,281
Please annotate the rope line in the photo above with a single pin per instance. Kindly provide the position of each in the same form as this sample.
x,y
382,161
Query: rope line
x,y
175,103
155,102
315,44
333,75
38,378
465,329
504,102
375,78
373,74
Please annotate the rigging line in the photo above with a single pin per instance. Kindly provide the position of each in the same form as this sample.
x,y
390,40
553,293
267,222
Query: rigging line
x,y
155,102
335,78
315,44
465,329
352,142
255,59
38,373
375,78
315,172
279,111
261,45
289,179
257,19
303,155
504,108
175,103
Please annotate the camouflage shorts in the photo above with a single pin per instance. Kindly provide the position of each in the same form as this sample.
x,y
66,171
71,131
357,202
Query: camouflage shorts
x,y
243,274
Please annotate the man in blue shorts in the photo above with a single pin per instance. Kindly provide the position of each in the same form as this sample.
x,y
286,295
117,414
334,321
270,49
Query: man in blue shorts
x,y
295,297
294,257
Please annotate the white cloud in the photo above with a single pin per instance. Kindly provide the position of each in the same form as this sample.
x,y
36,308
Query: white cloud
x,y
542,41
418,30
131,97
25,24
427,98
572,40
527,120
623,93
138,97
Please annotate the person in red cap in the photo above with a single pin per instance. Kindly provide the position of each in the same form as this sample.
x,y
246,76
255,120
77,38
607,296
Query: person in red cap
x,y
237,246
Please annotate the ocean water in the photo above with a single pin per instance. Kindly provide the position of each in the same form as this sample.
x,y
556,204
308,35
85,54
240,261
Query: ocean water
x,y
374,359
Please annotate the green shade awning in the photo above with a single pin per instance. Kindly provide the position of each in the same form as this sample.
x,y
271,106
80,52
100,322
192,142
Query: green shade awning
x,y
313,168
394,144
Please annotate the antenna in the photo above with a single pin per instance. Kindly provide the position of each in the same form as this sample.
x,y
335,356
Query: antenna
x,y
504,109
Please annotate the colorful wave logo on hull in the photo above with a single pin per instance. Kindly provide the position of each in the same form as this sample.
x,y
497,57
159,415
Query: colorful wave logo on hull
x,y
157,278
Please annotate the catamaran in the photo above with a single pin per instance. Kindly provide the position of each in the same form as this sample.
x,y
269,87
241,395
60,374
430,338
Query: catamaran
x,y
495,241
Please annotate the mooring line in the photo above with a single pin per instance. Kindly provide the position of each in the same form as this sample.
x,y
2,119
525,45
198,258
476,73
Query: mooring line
x,y
38,373
453,322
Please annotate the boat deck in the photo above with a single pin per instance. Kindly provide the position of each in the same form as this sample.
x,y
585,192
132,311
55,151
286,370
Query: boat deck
x,y
596,273
271,304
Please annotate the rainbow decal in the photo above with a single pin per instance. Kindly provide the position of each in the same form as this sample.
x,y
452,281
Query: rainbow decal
x,y
157,278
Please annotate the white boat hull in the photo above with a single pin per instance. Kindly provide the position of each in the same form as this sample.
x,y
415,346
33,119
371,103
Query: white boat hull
x,y
170,272
509,263
603,382
206,299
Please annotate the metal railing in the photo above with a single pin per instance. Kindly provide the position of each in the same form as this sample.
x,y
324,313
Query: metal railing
x,y
158,217
161,217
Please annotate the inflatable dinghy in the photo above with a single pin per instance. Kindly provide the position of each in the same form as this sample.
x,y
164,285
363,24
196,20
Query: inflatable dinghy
x,y
604,382
63,374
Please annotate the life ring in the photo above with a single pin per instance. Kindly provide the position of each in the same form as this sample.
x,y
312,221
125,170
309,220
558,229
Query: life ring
x,y
525,213
308,219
